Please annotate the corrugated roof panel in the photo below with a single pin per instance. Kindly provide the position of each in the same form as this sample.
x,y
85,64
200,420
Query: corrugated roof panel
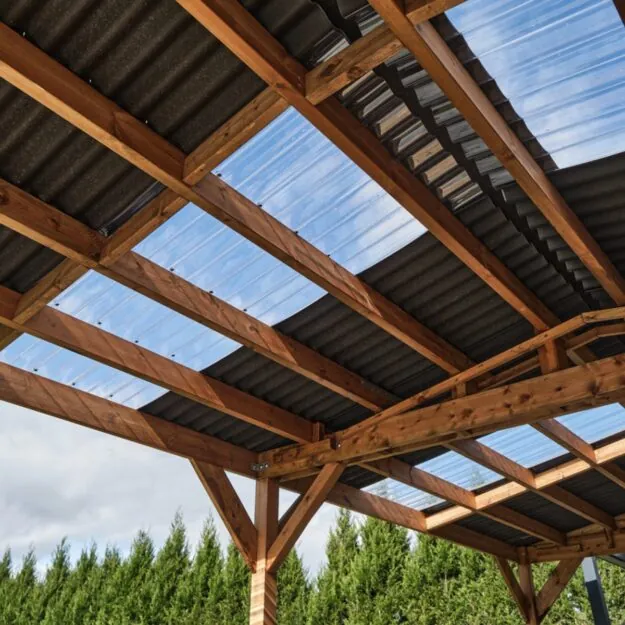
x,y
595,192
305,181
562,65
497,530
597,423
158,63
406,495
61,365
599,491
541,509
524,445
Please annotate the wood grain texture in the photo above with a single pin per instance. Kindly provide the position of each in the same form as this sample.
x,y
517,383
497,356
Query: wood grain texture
x,y
555,584
513,586
302,515
598,543
239,129
230,509
371,505
82,338
561,392
37,393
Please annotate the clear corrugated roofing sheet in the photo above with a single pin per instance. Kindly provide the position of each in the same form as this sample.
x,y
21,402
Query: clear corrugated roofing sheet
x,y
68,368
299,177
449,466
597,423
522,444
562,65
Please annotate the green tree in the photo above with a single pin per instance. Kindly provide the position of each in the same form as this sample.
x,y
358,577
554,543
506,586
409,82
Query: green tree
x,y
136,578
293,591
328,604
234,600
110,591
199,595
77,604
57,575
374,592
168,574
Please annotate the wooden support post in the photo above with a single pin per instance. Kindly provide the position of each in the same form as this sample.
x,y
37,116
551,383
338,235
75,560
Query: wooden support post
x,y
535,607
264,589
526,581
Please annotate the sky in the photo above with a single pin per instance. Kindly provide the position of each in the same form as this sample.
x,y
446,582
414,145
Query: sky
x,y
560,62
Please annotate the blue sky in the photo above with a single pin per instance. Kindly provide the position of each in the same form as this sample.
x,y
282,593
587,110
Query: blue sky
x,y
562,64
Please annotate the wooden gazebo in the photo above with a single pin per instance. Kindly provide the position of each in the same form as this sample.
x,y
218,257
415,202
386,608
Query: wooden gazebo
x,y
544,358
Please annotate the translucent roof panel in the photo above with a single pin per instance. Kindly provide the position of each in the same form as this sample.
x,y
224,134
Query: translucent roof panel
x,y
449,466
597,423
299,177
305,181
459,470
60,365
524,445
121,311
403,494
561,63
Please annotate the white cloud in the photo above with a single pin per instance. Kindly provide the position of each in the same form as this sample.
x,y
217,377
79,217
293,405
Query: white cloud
x,y
60,480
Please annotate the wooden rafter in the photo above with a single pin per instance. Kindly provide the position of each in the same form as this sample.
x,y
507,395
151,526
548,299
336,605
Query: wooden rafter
x,y
433,54
61,329
428,483
493,460
246,38
223,142
558,393
552,477
58,400
38,75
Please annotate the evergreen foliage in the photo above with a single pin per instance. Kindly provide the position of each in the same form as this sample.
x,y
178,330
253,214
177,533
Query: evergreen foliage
x,y
375,574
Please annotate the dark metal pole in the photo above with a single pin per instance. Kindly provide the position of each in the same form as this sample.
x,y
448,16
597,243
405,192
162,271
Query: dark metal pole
x,y
595,592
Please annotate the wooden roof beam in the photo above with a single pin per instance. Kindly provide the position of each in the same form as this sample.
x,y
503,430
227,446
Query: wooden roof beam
x,y
433,54
493,460
51,84
246,38
438,487
82,338
561,392
580,545
606,454
58,400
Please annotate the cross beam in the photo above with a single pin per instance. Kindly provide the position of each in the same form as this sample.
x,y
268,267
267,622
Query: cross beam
x,y
558,393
